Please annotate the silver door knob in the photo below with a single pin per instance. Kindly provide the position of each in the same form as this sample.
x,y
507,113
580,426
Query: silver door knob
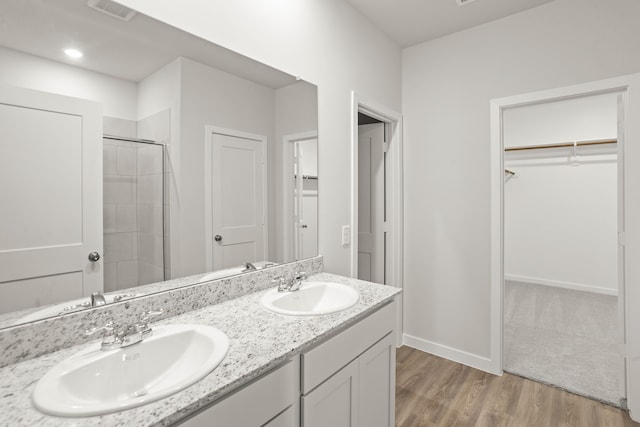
x,y
94,256
218,238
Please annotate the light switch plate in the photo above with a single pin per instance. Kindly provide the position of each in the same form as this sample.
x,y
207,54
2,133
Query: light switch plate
x,y
346,235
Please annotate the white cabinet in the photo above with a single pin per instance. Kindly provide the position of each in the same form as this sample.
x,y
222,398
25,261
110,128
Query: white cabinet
x,y
349,380
270,401
335,402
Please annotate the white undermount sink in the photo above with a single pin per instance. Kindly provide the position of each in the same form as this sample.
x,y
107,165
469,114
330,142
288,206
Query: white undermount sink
x,y
312,298
96,382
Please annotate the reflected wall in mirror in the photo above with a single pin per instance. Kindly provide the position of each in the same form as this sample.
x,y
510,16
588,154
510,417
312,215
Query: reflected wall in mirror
x,y
154,156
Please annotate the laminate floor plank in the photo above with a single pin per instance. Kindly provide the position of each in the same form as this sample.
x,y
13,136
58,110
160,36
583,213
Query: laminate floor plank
x,y
435,392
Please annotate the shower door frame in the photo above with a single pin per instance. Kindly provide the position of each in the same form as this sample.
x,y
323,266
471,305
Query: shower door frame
x,y
628,188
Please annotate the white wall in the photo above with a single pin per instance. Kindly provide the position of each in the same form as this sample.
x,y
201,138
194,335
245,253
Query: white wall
x,y
447,85
560,221
326,43
117,96
212,97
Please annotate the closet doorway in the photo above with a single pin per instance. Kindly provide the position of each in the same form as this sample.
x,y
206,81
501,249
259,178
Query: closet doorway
x,y
563,294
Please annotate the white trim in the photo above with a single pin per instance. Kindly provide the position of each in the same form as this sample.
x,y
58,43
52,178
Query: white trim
x,y
564,285
287,189
450,353
630,86
395,214
208,172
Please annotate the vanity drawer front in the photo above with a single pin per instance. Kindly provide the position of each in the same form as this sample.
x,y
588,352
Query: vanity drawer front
x,y
321,362
259,403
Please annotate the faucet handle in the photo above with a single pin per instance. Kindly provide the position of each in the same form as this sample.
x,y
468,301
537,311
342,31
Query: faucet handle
x,y
279,281
151,313
109,327
301,275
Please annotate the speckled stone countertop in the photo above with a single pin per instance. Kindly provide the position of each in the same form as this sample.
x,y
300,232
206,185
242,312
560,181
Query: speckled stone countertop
x,y
259,341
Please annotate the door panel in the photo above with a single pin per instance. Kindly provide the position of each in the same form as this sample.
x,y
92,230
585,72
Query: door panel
x,y
335,402
51,189
237,200
371,202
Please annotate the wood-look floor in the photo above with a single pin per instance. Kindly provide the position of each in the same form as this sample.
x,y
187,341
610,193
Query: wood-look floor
x,y
431,391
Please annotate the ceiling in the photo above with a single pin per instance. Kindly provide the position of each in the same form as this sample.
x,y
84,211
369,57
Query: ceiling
x,y
127,50
409,22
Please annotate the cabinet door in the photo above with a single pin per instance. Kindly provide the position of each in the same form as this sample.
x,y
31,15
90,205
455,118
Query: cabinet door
x,y
334,402
376,393
285,419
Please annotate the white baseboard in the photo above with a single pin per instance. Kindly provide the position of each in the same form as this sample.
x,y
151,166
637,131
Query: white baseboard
x,y
469,359
564,285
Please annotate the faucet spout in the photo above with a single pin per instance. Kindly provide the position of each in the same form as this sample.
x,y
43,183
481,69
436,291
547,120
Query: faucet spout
x,y
249,267
97,299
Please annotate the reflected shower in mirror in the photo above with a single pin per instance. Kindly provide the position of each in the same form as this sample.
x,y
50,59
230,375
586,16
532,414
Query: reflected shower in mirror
x,y
154,156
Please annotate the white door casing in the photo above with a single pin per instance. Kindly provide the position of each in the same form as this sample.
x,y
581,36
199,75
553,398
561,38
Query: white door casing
x,y
394,194
51,191
371,201
292,238
235,186
629,190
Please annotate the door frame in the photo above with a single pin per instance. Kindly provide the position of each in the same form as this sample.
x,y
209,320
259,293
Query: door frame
x,y
395,193
628,87
208,199
288,183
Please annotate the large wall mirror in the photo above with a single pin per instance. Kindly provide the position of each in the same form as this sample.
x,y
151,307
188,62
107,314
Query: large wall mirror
x,y
145,156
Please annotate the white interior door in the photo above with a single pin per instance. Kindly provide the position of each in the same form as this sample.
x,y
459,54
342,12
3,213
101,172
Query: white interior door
x,y
371,202
50,198
306,198
238,187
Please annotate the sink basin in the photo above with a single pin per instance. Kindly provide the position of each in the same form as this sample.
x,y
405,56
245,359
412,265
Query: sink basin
x,y
96,382
311,299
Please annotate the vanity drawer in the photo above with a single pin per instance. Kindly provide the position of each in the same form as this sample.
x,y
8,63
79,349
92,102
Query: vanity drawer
x,y
321,362
271,399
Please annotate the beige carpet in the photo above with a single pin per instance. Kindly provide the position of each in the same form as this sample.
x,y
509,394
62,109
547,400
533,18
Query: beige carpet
x,y
564,338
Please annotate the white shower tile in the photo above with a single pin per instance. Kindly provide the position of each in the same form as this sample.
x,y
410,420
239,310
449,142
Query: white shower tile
x,y
127,274
110,276
150,189
149,273
119,247
109,158
127,160
119,190
151,250
126,218
119,127
109,218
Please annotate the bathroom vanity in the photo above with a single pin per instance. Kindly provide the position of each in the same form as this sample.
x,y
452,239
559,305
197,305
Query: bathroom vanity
x,y
280,370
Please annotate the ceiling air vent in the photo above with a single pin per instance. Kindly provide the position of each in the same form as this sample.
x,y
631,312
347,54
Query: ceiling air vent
x,y
112,8
463,2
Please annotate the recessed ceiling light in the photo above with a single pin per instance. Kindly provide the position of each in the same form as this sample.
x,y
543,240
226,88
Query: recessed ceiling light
x,y
73,53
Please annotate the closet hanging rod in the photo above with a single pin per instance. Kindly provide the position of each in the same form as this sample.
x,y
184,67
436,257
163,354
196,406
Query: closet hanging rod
x,y
563,144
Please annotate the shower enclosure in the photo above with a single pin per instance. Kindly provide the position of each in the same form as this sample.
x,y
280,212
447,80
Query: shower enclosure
x,y
134,205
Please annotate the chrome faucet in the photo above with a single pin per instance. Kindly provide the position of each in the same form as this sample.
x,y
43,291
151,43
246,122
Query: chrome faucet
x,y
125,335
293,284
249,267
97,299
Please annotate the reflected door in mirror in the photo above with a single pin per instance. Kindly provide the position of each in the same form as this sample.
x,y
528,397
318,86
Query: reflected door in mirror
x,y
51,198
238,187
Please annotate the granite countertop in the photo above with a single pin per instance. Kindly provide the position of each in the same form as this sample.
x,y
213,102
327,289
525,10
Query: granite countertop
x,y
258,341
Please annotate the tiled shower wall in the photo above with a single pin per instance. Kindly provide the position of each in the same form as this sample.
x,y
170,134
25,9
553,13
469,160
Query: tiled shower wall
x,y
133,209
158,128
